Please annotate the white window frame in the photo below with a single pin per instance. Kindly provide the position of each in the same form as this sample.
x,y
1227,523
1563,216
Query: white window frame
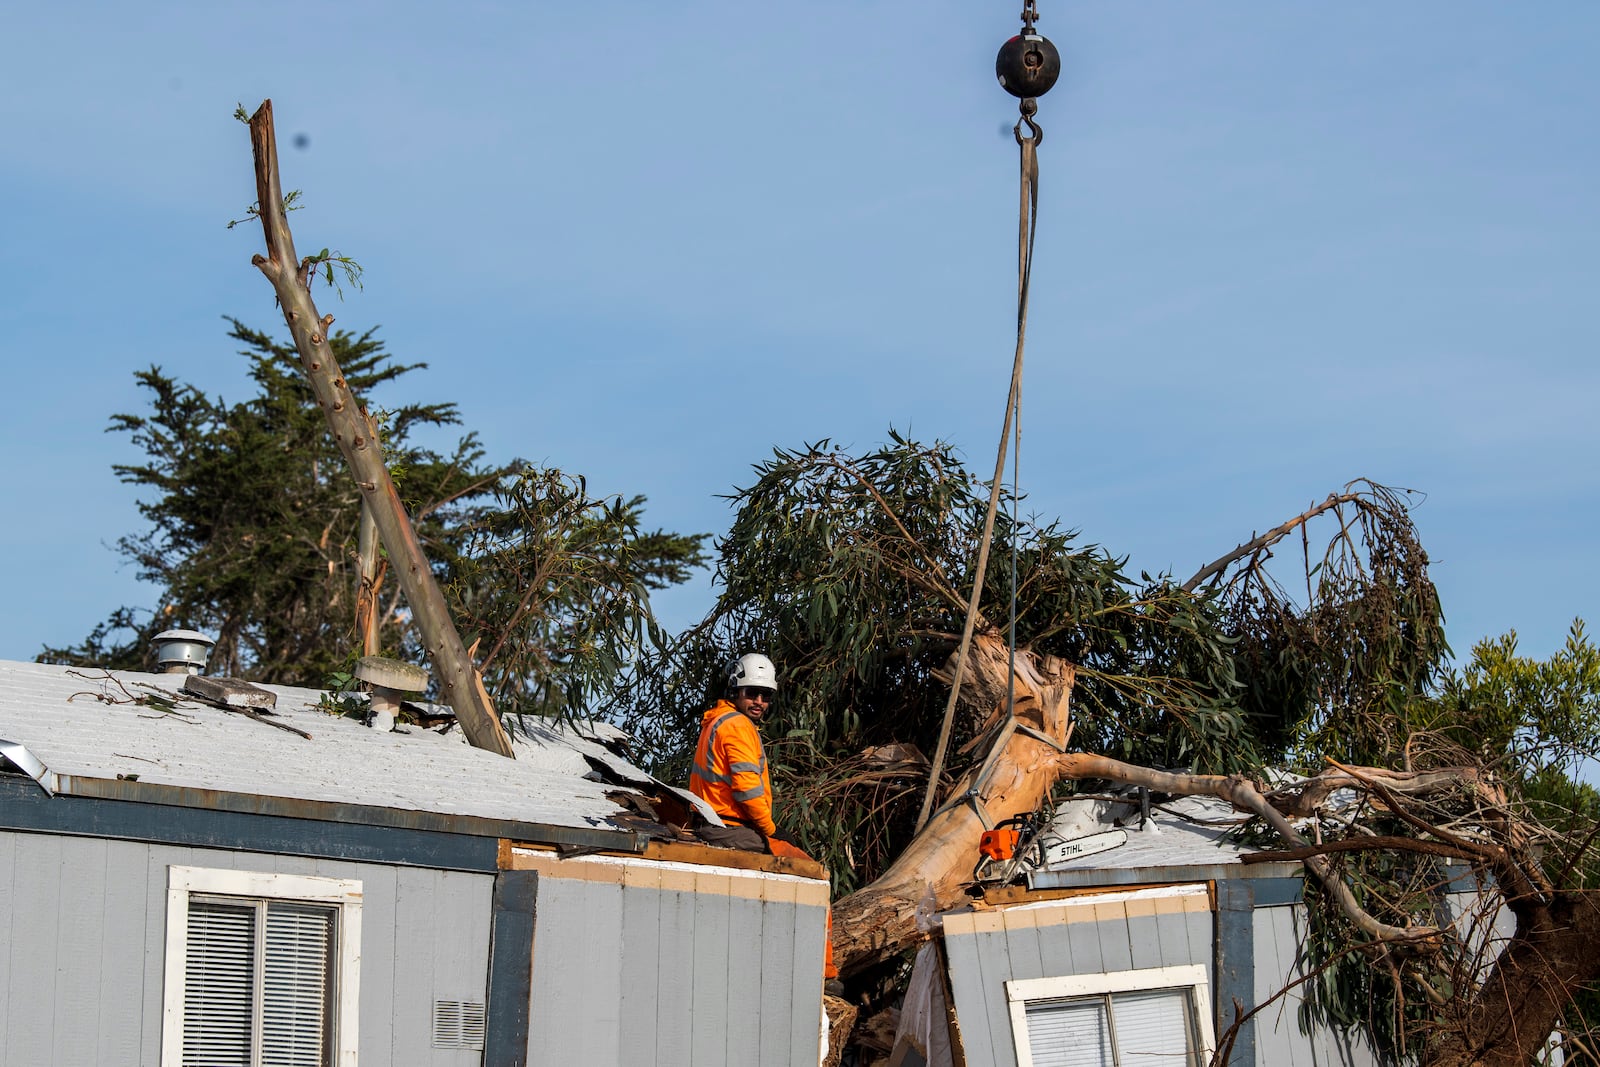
x,y
343,893
1020,991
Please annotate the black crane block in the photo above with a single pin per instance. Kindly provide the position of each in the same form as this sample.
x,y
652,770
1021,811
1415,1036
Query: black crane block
x,y
1028,65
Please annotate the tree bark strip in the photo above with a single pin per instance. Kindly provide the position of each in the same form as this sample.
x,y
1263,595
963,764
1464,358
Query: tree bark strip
x,y
369,582
451,664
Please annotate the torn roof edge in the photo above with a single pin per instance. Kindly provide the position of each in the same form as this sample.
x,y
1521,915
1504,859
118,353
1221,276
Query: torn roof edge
x,y
17,755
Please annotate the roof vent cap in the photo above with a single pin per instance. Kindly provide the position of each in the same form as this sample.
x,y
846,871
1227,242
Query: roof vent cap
x,y
181,651
389,680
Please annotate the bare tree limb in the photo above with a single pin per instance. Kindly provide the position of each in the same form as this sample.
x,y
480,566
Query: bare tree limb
x,y
1364,844
1272,536
362,451
1305,797
1243,794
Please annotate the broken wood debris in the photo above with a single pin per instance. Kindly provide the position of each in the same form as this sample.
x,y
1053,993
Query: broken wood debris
x,y
153,697
239,698
229,692
251,713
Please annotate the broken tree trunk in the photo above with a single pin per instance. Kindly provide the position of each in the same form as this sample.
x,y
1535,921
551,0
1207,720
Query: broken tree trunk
x,y
461,687
1528,993
1026,757
1015,777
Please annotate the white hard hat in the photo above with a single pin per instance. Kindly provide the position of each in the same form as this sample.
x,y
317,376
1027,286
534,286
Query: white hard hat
x,y
753,669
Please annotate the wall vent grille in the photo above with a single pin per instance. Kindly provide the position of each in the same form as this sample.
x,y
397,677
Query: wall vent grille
x,y
458,1024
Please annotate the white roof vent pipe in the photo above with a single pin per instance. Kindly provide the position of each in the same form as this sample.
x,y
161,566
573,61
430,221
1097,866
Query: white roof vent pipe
x,y
181,651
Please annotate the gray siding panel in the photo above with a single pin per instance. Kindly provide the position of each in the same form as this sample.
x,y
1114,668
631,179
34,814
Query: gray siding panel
x,y
1083,945
980,964
8,918
1278,1038
1280,1042
30,1038
559,1030
805,998
641,1000
641,963
602,977
79,937
676,979
84,956
409,1031
1172,939
1116,943
1027,960
746,920
379,911
709,1040
1055,951
1144,941
1202,934
994,969
457,925
967,993
776,1048
155,862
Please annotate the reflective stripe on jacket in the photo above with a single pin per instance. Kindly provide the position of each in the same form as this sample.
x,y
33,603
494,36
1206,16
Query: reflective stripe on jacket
x,y
730,768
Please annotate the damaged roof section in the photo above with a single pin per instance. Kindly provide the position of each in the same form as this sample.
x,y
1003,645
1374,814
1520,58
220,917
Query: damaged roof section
x,y
274,750
1181,839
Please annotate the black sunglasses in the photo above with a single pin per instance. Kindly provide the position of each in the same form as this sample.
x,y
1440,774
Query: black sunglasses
x,y
755,692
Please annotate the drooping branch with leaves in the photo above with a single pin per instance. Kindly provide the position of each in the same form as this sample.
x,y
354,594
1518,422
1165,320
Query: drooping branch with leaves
x,y
1328,667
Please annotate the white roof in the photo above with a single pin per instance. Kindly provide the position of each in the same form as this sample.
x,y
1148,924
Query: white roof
x,y
1186,837
84,723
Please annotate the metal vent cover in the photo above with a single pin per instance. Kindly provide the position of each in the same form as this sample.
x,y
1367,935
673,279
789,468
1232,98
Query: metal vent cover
x,y
14,754
458,1024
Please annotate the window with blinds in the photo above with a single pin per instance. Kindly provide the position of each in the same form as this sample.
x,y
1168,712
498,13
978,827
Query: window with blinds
x,y
260,980
1151,1018
1144,1029
258,986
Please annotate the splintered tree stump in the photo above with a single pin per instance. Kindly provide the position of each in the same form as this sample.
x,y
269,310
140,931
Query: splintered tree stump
x,y
1013,776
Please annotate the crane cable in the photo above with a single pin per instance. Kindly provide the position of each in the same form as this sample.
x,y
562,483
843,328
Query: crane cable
x,y
1027,227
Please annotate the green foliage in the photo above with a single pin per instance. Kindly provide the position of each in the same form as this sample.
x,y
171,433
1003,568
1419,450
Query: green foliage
x,y
291,202
1524,717
253,519
252,513
851,571
556,585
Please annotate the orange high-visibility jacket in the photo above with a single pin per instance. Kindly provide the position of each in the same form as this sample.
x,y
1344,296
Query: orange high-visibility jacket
x,y
730,769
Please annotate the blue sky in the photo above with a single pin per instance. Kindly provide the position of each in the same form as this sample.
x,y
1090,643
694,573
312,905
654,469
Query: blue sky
x,y
1281,246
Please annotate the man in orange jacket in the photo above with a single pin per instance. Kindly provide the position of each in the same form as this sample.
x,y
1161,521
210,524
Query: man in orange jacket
x,y
730,769
730,766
